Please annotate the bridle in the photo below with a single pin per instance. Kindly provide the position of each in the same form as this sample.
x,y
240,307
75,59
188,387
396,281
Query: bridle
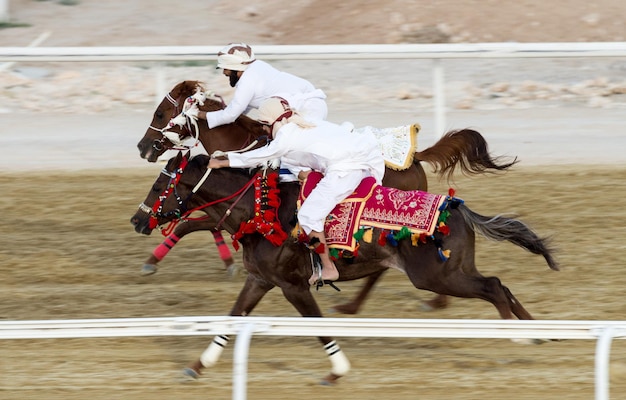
x,y
187,124
156,211
182,213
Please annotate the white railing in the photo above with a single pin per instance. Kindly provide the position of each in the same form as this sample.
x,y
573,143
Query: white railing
x,y
435,52
246,327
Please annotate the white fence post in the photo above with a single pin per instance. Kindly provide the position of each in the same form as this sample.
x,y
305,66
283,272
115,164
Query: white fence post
x,y
4,10
603,351
240,362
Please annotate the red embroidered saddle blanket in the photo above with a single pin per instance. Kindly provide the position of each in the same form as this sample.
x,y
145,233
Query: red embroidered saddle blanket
x,y
373,205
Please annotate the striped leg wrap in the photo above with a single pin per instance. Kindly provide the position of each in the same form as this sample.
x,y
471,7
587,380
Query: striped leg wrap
x,y
340,363
162,249
214,351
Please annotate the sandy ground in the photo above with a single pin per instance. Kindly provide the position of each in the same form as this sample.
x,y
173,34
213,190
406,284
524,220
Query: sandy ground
x,y
72,179
69,252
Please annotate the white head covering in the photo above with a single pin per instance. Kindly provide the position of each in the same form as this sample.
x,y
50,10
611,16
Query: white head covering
x,y
235,57
276,112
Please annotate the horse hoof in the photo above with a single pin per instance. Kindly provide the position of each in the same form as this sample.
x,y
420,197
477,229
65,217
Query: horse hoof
x,y
148,269
348,309
330,380
190,374
233,270
529,341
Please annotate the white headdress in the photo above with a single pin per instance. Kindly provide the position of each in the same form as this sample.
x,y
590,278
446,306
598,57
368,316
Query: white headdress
x,y
235,57
276,112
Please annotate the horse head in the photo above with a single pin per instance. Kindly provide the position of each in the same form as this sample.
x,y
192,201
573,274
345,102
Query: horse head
x,y
169,126
185,186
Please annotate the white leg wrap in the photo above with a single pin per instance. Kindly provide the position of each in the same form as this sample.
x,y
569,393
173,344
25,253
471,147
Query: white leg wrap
x,y
338,359
214,351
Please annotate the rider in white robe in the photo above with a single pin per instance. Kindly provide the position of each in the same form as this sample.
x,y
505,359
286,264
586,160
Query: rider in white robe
x,y
314,145
255,81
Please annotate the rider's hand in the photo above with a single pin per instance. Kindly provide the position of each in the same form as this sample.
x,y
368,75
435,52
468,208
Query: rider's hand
x,y
302,175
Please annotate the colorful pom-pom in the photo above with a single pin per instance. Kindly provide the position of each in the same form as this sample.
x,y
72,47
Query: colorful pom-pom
x,y
368,235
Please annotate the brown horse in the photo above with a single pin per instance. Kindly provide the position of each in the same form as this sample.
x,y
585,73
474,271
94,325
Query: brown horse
x,y
464,149
225,196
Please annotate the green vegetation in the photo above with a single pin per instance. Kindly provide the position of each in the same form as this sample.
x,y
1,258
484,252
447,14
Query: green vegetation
x,y
6,25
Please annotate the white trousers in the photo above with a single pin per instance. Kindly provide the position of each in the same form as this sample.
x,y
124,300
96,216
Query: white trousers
x,y
331,190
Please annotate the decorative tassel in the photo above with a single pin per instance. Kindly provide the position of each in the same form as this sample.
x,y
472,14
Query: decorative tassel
x,y
403,233
443,216
444,229
359,234
332,252
414,239
368,235
235,245
319,249
382,240
392,240
272,179
444,255
451,192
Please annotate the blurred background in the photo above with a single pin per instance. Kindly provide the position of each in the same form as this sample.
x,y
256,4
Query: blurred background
x,y
486,94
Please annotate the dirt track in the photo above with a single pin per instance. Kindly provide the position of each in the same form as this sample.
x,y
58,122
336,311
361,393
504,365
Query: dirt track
x,y
70,252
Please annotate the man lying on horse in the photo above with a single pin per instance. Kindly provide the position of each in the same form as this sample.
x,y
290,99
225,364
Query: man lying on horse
x,y
321,146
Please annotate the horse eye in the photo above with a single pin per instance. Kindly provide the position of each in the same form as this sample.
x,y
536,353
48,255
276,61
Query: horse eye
x,y
155,189
159,114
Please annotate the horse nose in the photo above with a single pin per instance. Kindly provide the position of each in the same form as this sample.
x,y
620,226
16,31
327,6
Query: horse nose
x,y
157,145
142,150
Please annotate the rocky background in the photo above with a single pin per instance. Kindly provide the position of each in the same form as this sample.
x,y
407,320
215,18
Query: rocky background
x,y
471,84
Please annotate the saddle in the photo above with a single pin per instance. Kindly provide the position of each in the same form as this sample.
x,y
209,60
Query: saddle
x,y
375,206
397,144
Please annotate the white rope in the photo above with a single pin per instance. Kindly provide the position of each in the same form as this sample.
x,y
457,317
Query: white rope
x,y
206,175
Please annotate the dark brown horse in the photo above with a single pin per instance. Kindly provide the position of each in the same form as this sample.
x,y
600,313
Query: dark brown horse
x,y
464,149
226,198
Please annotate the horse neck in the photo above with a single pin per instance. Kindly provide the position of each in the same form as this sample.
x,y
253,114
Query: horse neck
x,y
217,192
230,137
222,184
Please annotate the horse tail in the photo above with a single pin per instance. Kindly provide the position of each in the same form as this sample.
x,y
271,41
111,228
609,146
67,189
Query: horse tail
x,y
464,148
501,228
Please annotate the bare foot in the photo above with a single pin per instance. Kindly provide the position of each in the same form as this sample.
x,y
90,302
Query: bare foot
x,y
327,275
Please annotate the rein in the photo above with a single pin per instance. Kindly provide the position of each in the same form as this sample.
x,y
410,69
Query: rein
x,y
175,176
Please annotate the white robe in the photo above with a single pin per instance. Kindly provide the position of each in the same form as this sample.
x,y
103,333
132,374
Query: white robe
x,y
261,81
345,158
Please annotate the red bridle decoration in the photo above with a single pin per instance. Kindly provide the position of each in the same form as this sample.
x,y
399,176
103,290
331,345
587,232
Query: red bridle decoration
x,y
265,222
158,205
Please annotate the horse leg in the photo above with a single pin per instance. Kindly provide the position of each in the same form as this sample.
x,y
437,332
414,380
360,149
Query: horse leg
x,y
439,302
252,292
151,265
516,307
302,299
460,284
353,306
225,254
